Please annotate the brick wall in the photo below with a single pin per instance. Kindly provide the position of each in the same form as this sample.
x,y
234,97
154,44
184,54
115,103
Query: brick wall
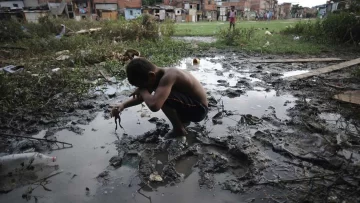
x,y
129,3
240,5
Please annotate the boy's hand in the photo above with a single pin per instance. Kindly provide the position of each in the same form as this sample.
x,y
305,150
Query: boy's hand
x,y
116,110
136,93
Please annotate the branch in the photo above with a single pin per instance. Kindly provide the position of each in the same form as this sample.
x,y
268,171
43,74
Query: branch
x,y
33,138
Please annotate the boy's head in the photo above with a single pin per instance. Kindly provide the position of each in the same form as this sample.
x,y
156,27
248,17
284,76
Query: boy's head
x,y
141,73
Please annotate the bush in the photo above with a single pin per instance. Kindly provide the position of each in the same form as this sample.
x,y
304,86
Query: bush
x,y
236,36
336,28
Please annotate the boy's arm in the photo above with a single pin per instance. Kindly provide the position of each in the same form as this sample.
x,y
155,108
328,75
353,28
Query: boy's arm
x,y
133,102
162,92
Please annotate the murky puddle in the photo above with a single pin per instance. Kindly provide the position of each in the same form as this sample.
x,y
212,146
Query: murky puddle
x,y
196,39
235,89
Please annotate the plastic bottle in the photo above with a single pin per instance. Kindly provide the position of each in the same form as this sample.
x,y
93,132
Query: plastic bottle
x,y
12,162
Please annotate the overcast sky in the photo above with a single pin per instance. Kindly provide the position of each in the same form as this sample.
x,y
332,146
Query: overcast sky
x,y
305,3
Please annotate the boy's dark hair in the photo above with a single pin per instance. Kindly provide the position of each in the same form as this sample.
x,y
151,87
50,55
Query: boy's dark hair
x,y
137,70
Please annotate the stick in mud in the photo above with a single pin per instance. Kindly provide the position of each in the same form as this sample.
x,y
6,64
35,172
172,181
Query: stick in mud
x,y
40,139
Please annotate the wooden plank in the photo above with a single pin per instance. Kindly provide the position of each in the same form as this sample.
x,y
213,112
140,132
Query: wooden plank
x,y
349,96
325,70
297,60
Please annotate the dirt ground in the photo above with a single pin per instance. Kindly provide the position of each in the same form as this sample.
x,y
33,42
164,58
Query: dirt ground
x,y
264,140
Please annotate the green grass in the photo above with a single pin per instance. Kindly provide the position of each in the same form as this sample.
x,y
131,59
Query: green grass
x,y
210,28
279,43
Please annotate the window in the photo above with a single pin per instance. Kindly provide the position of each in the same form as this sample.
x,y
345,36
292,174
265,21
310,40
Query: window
x,y
209,2
131,12
190,6
15,5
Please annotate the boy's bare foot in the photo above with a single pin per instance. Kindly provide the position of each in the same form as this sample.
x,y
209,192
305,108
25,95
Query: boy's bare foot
x,y
176,133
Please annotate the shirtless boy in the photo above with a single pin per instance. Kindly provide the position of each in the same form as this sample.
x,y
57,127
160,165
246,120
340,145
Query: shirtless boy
x,y
177,93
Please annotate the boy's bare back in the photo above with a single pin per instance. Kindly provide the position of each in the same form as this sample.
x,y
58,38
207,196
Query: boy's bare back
x,y
185,83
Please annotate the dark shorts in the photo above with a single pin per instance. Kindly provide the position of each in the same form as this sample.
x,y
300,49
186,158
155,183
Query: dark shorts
x,y
232,20
187,108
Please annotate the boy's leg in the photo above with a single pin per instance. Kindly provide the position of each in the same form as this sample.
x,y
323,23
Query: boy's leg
x,y
172,115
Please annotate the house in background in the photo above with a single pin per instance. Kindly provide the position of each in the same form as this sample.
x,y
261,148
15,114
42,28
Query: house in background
x,y
284,11
12,4
132,13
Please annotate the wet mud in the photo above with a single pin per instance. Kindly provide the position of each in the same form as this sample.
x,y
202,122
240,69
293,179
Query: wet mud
x,y
264,140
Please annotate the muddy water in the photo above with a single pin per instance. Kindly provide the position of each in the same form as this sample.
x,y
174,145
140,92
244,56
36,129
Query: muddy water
x,y
92,150
196,39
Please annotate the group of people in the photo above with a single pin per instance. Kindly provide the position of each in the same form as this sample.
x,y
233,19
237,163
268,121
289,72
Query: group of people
x,y
264,16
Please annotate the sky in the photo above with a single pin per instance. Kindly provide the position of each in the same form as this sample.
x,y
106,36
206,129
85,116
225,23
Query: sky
x,y
305,3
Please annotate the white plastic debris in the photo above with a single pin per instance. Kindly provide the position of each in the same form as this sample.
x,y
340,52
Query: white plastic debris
x,y
267,44
63,52
12,162
155,177
55,69
268,33
296,38
62,57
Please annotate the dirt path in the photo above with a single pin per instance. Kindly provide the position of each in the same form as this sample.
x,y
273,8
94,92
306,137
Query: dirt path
x,y
265,140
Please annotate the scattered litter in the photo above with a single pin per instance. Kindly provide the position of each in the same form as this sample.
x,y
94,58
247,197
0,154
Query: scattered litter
x,y
13,162
349,96
296,38
55,69
268,33
103,174
12,69
84,31
63,52
62,57
62,33
116,161
267,44
87,189
155,177
196,61
326,69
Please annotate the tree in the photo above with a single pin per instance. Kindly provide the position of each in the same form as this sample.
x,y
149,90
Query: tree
x,y
151,2
295,9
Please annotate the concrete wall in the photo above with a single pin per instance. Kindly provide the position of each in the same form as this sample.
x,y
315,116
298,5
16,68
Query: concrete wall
x,y
132,13
31,3
33,16
10,4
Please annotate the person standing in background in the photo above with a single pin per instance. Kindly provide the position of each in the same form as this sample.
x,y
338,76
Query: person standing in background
x,y
232,16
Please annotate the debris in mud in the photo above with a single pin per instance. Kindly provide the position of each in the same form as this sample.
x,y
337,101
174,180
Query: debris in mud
x,y
213,163
155,177
223,83
75,129
212,101
12,69
232,93
206,179
349,96
116,161
216,119
233,185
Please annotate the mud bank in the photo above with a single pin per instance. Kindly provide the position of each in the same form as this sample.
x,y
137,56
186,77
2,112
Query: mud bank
x,y
264,140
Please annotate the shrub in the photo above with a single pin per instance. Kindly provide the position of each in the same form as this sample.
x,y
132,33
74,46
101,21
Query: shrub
x,y
236,36
336,28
